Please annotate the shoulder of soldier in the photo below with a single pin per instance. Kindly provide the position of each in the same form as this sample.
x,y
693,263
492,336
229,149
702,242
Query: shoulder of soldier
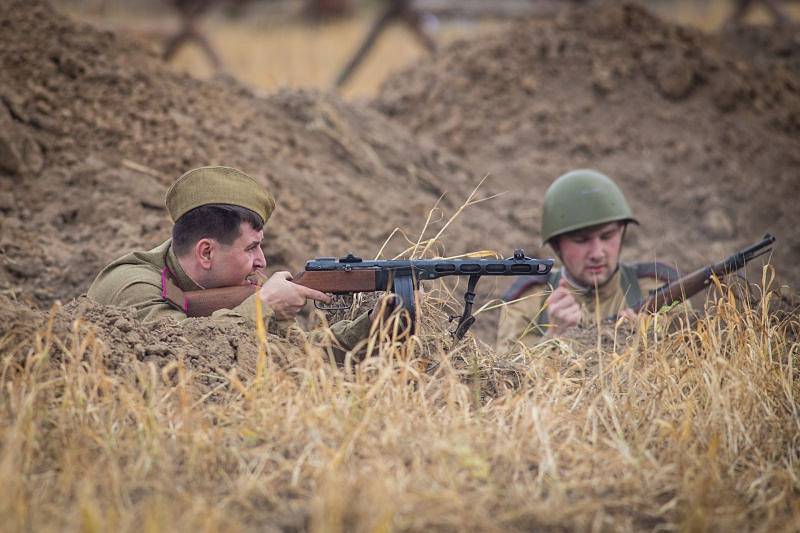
x,y
656,270
118,283
523,285
653,274
132,268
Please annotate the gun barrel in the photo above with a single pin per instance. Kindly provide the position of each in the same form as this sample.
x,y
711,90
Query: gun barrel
x,y
765,241
691,284
427,269
740,258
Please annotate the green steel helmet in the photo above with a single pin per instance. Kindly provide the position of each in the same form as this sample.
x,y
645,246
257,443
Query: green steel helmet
x,y
580,199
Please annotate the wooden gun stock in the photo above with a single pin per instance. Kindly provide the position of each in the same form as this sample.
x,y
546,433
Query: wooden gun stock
x,y
338,281
205,302
691,284
677,291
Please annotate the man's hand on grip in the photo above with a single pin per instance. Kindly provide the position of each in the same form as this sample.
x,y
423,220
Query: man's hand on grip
x,y
285,298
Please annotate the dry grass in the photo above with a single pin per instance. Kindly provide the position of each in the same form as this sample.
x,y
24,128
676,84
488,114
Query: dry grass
x,y
692,429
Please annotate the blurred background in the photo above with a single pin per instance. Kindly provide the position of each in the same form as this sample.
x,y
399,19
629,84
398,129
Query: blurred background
x,y
268,44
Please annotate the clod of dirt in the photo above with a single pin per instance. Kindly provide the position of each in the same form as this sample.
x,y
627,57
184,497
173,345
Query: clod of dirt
x,y
19,153
675,78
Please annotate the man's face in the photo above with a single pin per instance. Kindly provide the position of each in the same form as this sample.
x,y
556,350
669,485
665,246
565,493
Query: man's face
x,y
232,264
591,255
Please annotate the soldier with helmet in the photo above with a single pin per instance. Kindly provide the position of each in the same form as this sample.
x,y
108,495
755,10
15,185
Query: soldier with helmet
x,y
584,219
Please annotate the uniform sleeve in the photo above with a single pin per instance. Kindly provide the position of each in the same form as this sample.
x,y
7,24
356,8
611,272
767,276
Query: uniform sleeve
x,y
347,334
145,299
247,309
518,322
350,332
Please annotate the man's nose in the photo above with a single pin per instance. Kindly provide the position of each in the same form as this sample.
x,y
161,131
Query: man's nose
x,y
596,249
260,261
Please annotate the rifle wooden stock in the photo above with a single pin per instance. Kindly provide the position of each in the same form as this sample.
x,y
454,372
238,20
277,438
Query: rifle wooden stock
x,y
677,291
205,302
691,284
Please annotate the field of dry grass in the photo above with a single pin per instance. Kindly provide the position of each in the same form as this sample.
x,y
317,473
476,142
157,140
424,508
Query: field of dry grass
x,y
692,427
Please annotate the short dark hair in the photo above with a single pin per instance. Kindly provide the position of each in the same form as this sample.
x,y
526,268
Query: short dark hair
x,y
220,222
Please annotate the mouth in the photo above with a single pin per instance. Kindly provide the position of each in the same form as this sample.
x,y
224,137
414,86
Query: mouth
x,y
255,278
595,270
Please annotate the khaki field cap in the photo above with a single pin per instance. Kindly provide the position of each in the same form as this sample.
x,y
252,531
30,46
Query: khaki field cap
x,y
218,185
581,199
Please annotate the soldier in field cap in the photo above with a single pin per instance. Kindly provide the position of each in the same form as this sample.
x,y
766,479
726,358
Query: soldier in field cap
x,y
584,219
219,215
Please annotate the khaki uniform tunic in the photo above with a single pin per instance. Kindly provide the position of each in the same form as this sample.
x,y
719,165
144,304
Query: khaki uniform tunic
x,y
522,321
134,280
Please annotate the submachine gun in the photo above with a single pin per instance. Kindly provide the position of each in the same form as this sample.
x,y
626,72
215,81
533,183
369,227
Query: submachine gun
x,y
351,274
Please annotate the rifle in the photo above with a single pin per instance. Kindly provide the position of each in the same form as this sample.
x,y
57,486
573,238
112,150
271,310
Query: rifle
x,y
691,284
351,274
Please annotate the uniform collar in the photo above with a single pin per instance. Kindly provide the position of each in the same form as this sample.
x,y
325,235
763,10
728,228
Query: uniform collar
x,y
179,276
606,289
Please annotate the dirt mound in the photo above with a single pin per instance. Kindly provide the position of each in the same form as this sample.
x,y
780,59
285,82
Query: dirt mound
x,y
772,47
209,349
706,145
93,129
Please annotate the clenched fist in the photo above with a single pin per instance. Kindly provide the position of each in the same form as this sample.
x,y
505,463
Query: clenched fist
x,y
563,311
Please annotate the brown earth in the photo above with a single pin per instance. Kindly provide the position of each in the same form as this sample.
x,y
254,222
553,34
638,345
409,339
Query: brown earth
x,y
705,144
93,129
213,352
772,47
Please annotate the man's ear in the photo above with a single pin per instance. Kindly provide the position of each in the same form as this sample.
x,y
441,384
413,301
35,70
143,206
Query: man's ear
x,y
203,252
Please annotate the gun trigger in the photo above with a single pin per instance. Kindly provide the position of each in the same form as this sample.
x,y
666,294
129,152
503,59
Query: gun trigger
x,y
338,303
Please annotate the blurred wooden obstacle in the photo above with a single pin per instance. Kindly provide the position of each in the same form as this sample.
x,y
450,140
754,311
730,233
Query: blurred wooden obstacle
x,y
192,11
743,7
421,18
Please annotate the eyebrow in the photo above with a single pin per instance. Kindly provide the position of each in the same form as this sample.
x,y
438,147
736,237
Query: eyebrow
x,y
588,234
